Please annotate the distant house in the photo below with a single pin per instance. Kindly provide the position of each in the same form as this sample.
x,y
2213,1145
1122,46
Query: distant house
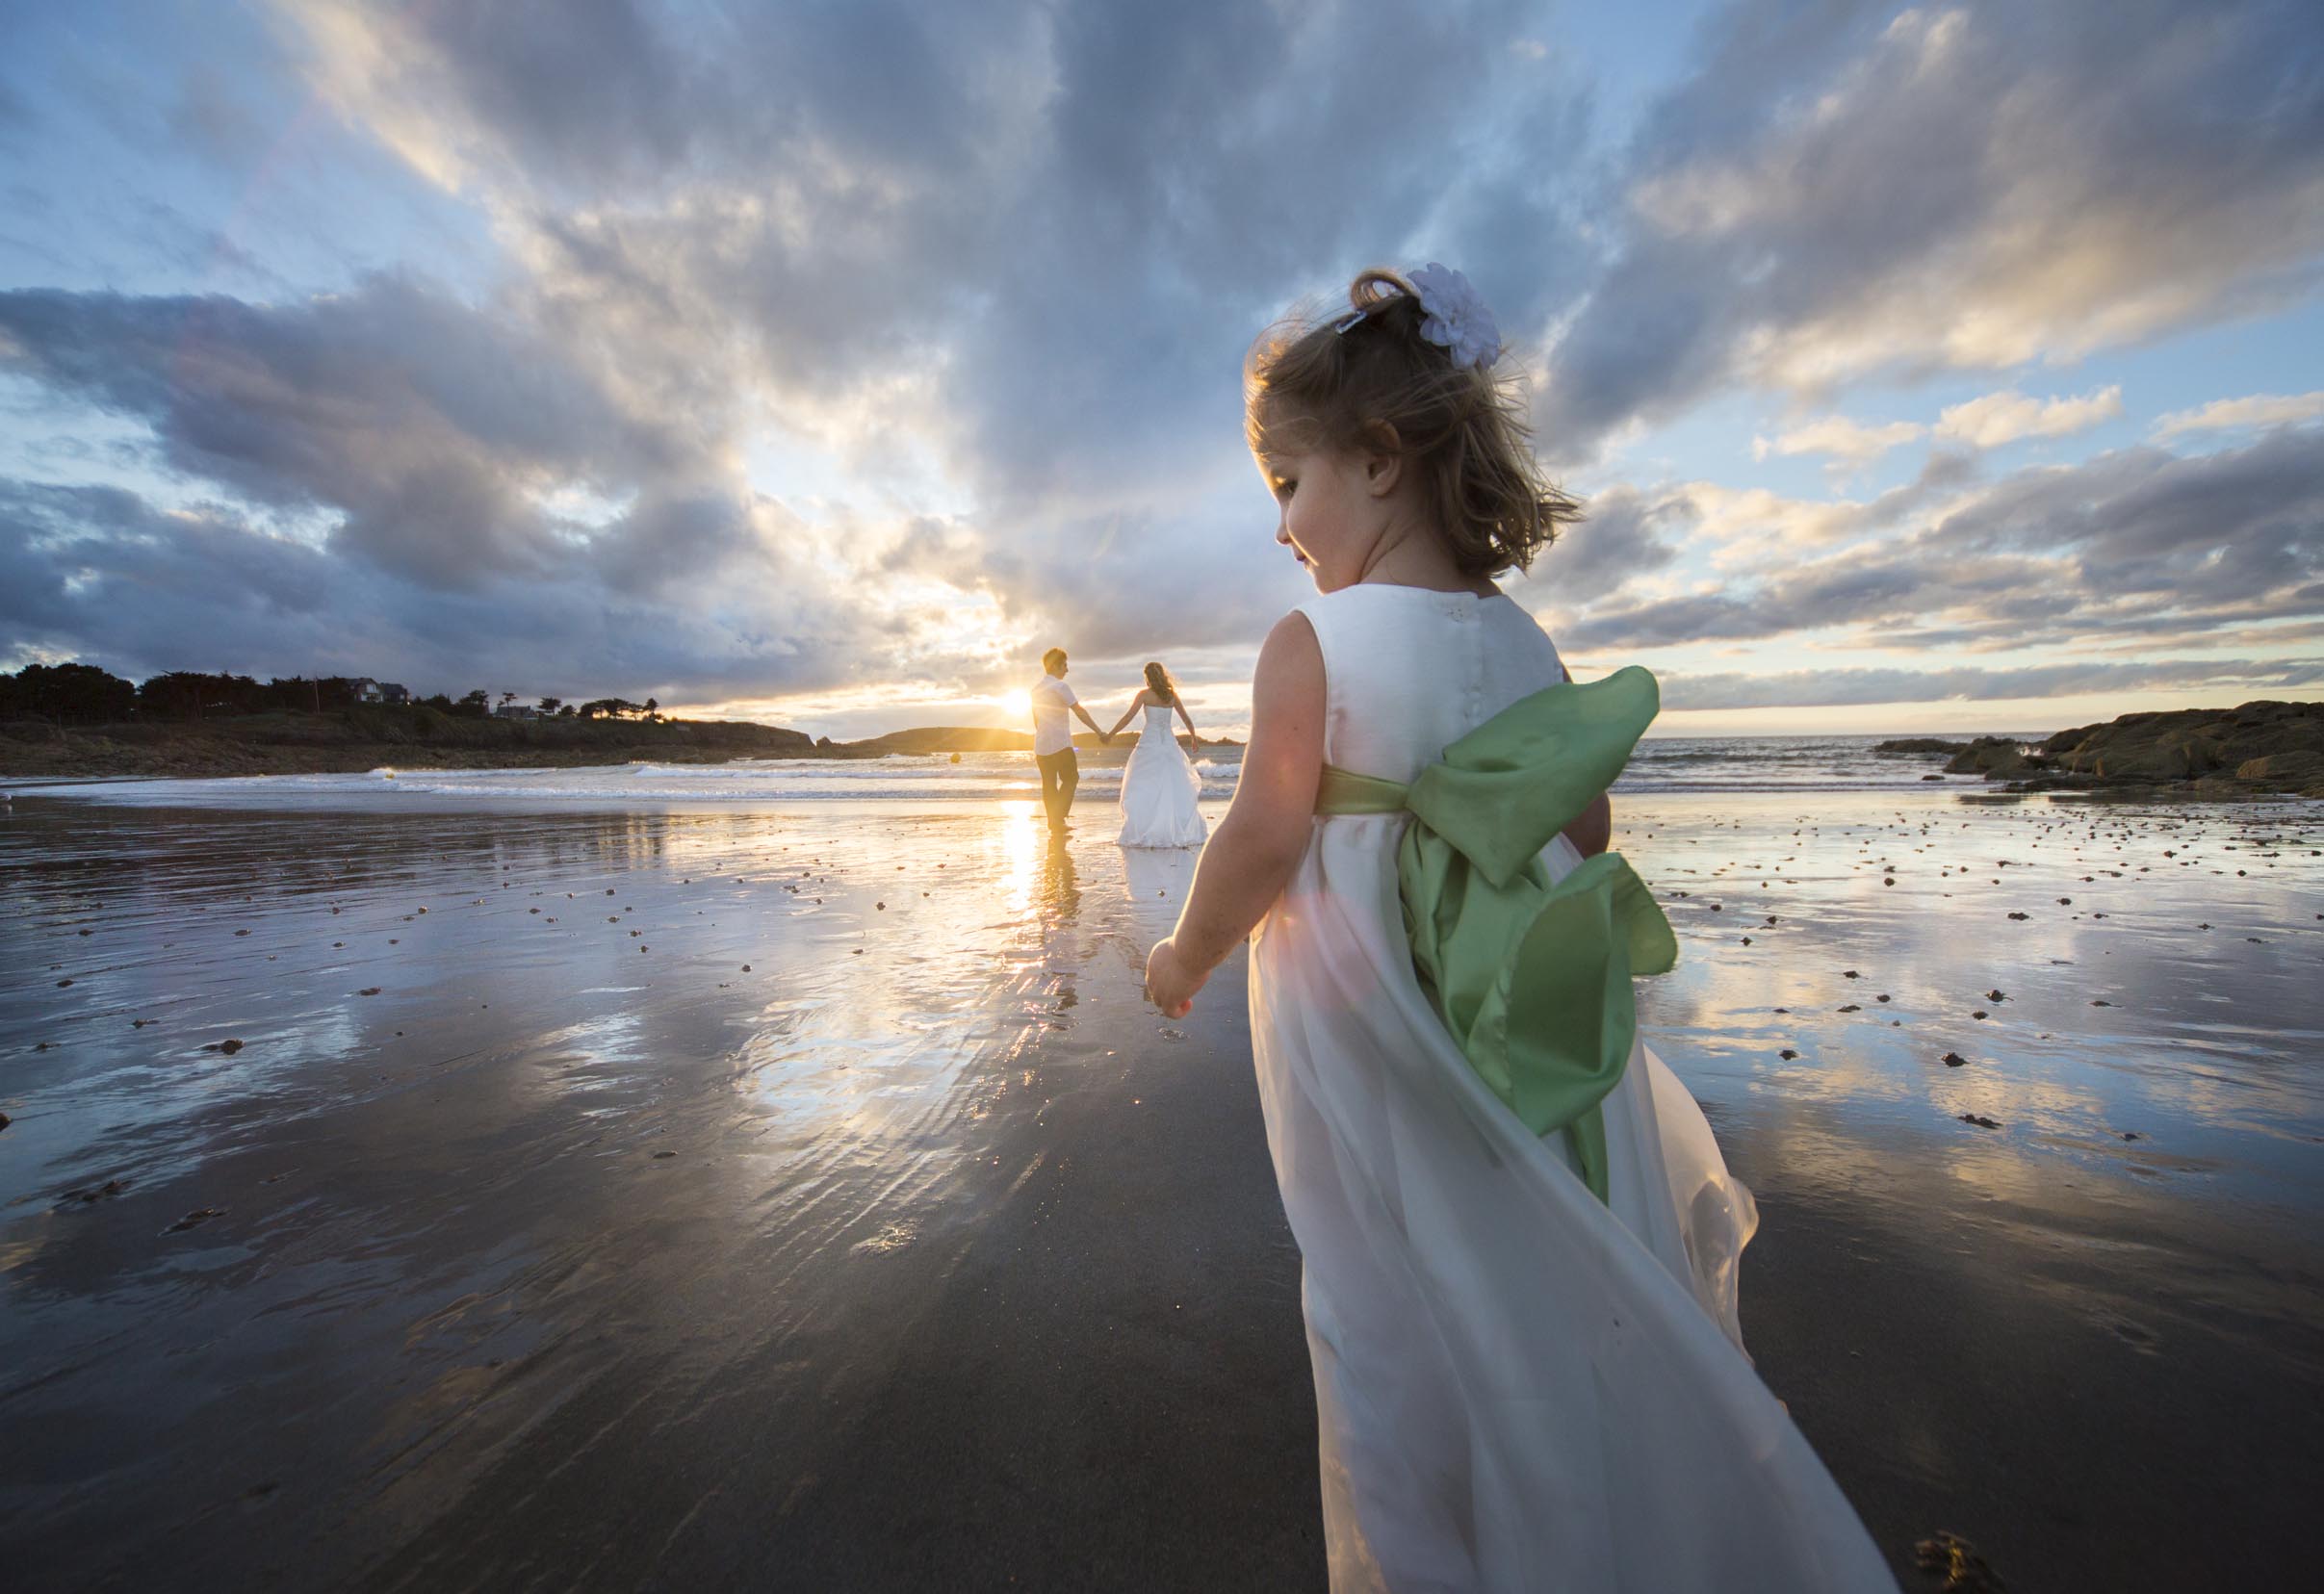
x,y
516,710
367,691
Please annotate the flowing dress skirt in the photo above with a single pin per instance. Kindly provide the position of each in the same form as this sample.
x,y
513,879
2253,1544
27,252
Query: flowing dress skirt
x,y
1518,1388
1159,790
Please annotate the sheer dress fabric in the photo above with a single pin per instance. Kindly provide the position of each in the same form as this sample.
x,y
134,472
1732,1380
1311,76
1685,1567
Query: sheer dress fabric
x,y
1517,1387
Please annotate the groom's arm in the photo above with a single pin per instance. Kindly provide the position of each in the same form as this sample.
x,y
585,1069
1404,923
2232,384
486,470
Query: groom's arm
x,y
1090,723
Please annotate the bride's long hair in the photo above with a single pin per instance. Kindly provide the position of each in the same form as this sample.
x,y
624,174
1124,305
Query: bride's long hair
x,y
1158,683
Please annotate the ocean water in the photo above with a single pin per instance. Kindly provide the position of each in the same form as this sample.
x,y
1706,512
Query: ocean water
x,y
1785,763
1672,764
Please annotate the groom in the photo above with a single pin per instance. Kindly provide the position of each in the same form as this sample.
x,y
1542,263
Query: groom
x,y
1053,738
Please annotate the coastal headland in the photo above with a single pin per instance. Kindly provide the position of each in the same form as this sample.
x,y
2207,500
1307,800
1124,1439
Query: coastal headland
x,y
351,740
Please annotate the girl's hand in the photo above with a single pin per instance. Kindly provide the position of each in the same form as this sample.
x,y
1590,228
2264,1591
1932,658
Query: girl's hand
x,y
1169,984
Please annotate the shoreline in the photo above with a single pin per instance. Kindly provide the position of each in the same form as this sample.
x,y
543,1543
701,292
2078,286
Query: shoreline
x,y
230,761
282,744
175,763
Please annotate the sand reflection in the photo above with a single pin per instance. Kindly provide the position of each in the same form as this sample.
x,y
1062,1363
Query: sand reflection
x,y
1154,880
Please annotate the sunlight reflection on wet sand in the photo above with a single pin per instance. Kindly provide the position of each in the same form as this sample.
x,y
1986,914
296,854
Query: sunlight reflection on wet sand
x,y
532,1106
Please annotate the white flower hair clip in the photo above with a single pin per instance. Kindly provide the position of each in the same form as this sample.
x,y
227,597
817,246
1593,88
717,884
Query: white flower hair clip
x,y
1453,317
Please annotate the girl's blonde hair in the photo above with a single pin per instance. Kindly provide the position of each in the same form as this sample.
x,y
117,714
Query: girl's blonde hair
x,y
1158,682
1310,386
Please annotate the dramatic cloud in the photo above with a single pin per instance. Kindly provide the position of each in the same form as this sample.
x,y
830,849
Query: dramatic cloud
x,y
1625,535
1747,529
466,495
1002,258
1849,442
1040,213
432,428
2260,409
2140,543
2000,418
101,573
1843,190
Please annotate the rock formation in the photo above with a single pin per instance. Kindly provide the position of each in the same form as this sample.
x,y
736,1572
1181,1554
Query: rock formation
x,y
2256,750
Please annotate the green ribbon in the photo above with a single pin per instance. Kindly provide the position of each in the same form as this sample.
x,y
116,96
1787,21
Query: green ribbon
x,y
1531,979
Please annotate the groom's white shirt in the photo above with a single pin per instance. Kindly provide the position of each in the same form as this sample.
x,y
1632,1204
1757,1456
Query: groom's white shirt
x,y
1052,702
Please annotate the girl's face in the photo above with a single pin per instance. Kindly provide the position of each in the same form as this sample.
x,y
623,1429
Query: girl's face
x,y
1333,511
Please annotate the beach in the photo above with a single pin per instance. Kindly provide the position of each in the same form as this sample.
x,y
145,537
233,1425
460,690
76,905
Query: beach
x,y
441,1185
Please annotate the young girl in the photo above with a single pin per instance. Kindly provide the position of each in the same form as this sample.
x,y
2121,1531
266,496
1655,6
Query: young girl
x,y
1520,1369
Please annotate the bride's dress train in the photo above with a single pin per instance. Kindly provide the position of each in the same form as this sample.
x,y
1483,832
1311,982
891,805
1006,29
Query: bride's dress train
x,y
1159,789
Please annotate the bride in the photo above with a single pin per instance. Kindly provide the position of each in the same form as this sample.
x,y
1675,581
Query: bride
x,y
1159,787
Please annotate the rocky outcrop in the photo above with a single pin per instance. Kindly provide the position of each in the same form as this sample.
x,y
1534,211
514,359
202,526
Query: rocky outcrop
x,y
2189,744
1992,756
2256,750
2298,770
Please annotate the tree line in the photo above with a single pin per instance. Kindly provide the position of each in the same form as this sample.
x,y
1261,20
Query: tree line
x,y
84,694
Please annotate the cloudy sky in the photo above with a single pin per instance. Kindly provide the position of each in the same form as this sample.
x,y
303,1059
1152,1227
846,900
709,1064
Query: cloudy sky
x,y
1922,367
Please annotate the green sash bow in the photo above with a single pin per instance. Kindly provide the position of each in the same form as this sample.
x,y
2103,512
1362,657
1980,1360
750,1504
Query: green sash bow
x,y
1531,979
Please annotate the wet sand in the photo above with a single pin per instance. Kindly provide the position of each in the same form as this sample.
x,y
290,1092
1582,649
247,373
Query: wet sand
x,y
533,1239
2091,1338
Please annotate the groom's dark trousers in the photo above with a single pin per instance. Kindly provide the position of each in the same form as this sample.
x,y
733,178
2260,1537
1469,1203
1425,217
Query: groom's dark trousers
x,y
1060,774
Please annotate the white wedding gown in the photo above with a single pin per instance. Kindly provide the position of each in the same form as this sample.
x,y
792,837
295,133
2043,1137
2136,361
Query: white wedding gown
x,y
1518,1388
1159,789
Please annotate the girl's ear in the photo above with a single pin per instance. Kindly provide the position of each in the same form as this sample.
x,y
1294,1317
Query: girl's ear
x,y
1383,458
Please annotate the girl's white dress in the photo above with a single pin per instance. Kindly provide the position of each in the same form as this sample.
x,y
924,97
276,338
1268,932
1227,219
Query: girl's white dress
x,y
1159,789
1518,1388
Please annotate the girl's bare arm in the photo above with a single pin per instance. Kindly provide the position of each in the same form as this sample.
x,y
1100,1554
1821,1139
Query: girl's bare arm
x,y
1261,840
